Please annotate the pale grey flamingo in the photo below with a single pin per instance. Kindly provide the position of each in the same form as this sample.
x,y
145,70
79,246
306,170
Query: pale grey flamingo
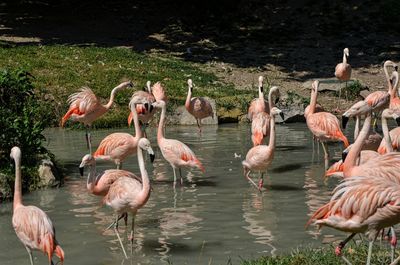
x,y
343,69
258,105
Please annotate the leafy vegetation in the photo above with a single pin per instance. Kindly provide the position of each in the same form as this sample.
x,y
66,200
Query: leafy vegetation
x,y
62,70
352,91
22,118
356,253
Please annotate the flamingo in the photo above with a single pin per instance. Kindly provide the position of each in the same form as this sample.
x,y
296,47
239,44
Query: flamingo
x,y
85,107
361,204
175,152
118,146
198,107
395,139
31,224
260,157
394,97
343,69
258,105
260,122
323,125
158,92
128,194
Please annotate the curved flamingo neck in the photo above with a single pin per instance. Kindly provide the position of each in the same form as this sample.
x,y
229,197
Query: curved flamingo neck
x,y
270,103
344,58
393,87
144,193
260,92
160,134
271,143
138,130
355,150
313,102
188,98
357,127
91,179
112,96
385,65
18,182
386,135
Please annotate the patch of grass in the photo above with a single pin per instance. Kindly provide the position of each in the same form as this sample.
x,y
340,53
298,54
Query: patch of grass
x,y
356,253
352,91
294,97
61,70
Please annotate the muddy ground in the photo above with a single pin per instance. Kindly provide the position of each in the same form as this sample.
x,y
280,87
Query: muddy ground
x,y
287,41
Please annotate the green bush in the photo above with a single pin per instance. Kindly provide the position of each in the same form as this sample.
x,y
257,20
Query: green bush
x,y
22,119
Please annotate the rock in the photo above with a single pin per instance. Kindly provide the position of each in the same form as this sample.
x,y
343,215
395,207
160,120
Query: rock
x,y
183,117
364,93
329,84
292,113
229,116
48,173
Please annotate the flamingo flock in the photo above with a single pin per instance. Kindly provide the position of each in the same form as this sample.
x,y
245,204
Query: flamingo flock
x,y
366,201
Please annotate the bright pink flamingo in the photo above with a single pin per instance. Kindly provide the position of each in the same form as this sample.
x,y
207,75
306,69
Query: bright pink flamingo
x,y
158,92
323,125
129,194
395,139
343,69
118,146
32,226
175,152
260,157
394,97
258,105
85,107
199,107
260,122
361,204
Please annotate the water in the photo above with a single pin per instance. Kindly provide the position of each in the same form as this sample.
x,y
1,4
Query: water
x,y
215,218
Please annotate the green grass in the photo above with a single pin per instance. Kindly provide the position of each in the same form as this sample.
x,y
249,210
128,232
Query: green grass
x,y
357,254
60,70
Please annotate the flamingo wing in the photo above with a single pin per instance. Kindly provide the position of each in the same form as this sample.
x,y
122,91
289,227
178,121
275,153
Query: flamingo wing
x,y
115,143
85,100
108,177
378,99
325,125
159,92
179,154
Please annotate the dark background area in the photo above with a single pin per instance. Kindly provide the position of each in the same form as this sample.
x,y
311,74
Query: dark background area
x,y
294,35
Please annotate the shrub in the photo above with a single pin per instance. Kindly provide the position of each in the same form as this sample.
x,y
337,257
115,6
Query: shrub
x,y
22,119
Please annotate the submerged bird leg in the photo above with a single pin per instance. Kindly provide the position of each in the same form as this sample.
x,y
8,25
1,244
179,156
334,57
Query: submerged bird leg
x,y
174,176
131,237
326,155
119,238
119,165
393,242
338,249
261,181
124,215
30,254
180,174
252,182
199,124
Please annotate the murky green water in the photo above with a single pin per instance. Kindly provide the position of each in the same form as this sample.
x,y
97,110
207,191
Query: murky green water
x,y
212,219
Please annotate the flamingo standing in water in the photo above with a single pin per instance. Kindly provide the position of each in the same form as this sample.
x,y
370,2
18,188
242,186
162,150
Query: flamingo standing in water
x,y
118,146
32,226
128,194
343,69
199,107
323,125
85,107
260,122
361,204
260,157
258,105
175,152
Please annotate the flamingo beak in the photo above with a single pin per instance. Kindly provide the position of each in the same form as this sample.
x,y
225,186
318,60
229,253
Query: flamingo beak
x,y
152,156
282,116
277,100
81,170
130,84
146,105
396,68
262,89
345,119
398,121
151,107
344,155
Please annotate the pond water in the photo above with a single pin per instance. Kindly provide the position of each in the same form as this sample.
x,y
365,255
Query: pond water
x,y
214,218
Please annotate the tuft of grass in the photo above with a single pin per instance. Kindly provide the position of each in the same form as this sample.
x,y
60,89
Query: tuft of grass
x,y
61,70
356,253
352,91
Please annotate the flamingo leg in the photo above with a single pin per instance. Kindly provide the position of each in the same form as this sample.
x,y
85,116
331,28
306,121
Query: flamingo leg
x,y
180,174
88,139
371,244
132,233
261,182
338,250
119,165
30,254
124,215
326,155
119,238
199,124
174,177
393,243
252,182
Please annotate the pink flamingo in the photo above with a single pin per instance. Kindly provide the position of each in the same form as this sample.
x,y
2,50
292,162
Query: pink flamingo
x,y
361,204
395,139
260,157
128,194
118,146
199,107
323,125
343,69
85,107
394,97
32,226
175,152
158,92
258,105
260,122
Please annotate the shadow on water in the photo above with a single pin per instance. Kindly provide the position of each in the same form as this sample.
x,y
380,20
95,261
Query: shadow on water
x,y
286,168
290,147
283,188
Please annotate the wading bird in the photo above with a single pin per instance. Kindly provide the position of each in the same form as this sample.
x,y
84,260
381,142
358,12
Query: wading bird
x,y
128,195
199,107
258,105
85,107
323,125
361,204
175,152
260,157
32,226
343,69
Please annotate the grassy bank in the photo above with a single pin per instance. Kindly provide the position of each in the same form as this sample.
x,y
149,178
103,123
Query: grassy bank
x,y
355,253
61,70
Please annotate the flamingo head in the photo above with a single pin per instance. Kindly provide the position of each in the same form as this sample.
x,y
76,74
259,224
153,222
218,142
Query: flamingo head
x,y
359,108
394,78
390,63
159,104
15,153
148,86
390,113
145,145
190,85
87,160
275,91
275,111
346,52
